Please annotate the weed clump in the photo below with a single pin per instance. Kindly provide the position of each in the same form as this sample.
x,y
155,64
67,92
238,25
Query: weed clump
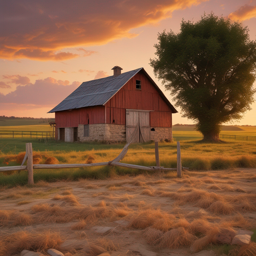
x,y
51,160
34,241
176,238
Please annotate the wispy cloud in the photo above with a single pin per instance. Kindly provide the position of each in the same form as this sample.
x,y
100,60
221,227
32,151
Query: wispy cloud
x,y
17,79
41,30
61,71
4,85
245,12
101,74
86,52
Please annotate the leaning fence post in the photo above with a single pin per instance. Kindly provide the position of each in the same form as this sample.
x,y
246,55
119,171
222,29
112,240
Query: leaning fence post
x,y
29,152
179,166
157,154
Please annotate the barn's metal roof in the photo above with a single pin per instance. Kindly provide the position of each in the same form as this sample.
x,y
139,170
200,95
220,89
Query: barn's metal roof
x,y
98,92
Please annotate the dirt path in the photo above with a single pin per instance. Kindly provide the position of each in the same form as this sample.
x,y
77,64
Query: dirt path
x,y
143,215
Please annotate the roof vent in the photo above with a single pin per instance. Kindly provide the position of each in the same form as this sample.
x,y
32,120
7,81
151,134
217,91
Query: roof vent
x,y
117,70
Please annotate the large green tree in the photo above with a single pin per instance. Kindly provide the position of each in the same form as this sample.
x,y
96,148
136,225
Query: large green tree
x,y
209,67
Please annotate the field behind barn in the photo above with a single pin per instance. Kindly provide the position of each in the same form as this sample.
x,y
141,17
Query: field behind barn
x,y
195,155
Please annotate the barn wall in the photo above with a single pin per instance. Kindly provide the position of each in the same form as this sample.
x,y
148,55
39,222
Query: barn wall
x,y
147,98
92,115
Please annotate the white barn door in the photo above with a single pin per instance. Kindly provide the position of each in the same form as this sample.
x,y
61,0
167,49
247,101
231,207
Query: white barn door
x,y
134,118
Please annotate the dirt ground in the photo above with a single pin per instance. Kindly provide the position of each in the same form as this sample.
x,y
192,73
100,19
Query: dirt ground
x,y
144,215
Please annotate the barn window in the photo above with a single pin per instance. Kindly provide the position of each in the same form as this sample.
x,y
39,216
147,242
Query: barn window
x,y
86,130
138,85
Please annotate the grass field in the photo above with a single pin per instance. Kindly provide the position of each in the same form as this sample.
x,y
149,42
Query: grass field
x,y
189,132
23,121
195,155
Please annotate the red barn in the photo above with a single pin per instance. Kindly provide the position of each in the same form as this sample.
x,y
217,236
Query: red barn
x,y
109,109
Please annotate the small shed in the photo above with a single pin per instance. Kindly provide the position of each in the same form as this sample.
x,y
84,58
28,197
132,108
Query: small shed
x,y
110,108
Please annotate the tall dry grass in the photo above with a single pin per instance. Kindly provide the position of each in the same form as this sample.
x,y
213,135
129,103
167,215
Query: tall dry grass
x,y
24,240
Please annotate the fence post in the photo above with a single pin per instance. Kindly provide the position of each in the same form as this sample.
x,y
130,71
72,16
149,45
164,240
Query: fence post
x,y
13,134
29,152
157,154
179,166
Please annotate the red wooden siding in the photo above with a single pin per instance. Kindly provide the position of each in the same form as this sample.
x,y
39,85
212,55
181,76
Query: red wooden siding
x,y
147,98
95,115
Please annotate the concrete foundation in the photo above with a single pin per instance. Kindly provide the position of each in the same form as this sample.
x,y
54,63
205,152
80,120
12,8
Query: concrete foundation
x,y
117,133
102,132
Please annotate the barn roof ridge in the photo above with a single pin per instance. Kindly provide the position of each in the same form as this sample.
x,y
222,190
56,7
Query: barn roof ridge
x,y
98,92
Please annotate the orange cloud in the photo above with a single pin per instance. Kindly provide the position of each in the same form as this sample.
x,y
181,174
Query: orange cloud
x,y
101,74
245,12
38,30
4,85
17,79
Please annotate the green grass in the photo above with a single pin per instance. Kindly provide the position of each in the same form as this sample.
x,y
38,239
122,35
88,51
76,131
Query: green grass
x,y
195,155
189,132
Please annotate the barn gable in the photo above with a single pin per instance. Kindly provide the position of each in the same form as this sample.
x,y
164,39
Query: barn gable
x,y
110,108
98,92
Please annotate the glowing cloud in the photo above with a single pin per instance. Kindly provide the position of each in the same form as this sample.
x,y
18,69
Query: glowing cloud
x,y
44,92
38,30
245,12
17,79
4,85
101,74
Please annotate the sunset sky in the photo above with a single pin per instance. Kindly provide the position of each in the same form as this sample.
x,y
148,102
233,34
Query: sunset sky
x,y
48,48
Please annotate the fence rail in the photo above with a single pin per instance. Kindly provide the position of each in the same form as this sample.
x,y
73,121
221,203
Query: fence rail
x,y
238,137
27,134
116,162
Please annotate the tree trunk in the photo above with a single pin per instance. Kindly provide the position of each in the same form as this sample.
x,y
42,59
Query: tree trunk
x,y
211,137
210,131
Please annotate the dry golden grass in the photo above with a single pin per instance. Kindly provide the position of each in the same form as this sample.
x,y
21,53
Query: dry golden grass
x,y
37,158
176,238
200,226
121,212
148,192
100,246
51,160
23,240
202,242
66,192
151,217
80,225
181,223
214,187
70,198
221,207
21,219
44,213
152,235
90,159
4,217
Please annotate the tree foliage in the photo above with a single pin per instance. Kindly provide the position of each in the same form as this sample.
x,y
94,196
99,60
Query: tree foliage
x,y
209,67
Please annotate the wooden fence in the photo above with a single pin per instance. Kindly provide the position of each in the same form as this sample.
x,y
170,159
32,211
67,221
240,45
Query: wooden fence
x,y
238,137
116,162
27,134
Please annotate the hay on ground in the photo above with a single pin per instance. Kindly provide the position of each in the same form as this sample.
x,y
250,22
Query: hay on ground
x,y
176,238
51,160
